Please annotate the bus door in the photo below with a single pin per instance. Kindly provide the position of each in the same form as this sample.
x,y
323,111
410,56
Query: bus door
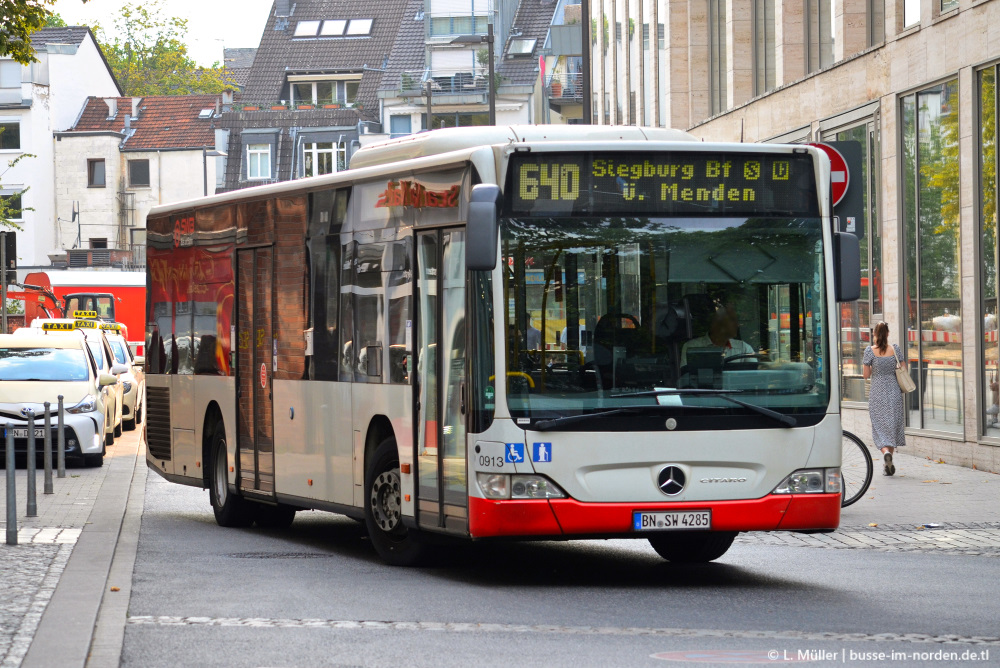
x,y
442,488
255,370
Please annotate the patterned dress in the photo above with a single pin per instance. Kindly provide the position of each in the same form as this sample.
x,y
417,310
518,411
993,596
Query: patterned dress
x,y
885,401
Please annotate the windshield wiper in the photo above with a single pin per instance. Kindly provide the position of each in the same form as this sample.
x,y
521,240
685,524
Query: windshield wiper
x,y
787,420
545,425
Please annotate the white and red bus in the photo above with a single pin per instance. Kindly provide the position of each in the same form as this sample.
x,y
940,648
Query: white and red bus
x,y
526,332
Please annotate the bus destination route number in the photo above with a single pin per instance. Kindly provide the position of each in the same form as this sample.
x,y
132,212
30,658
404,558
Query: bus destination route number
x,y
679,520
689,182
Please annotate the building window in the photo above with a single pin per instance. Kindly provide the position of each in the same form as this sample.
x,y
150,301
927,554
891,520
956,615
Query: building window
x,y
320,158
717,55
661,36
645,37
11,207
325,92
400,125
948,5
819,34
607,108
10,136
95,173
334,28
138,173
306,28
858,318
876,22
763,46
98,243
456,120
618,31
459,25
931,303
990,252
10,74
911,13
258,161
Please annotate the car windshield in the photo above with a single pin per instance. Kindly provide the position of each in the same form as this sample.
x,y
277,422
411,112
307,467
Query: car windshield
x,y
43,364
119,350
610,312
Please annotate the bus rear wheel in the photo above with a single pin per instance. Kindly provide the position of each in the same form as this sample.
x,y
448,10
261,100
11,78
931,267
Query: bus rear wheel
x,y
230,509
692,547
396,544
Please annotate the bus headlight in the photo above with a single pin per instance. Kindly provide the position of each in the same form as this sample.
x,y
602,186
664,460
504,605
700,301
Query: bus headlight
x,y
811,481
518,486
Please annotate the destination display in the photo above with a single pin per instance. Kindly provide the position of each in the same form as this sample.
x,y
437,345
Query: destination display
x,y
665,184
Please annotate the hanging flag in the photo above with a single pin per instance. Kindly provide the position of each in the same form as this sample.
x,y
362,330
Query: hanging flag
x,y
541,67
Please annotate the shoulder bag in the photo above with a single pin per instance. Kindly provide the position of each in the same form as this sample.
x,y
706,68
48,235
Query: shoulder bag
x,y
903,376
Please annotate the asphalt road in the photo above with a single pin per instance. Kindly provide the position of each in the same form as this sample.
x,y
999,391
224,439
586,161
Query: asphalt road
x,y
317,595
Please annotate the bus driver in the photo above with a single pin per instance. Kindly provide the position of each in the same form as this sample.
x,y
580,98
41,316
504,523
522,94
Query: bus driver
x,y
721,334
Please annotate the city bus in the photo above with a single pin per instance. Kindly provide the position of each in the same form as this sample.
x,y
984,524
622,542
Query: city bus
x,y
510,333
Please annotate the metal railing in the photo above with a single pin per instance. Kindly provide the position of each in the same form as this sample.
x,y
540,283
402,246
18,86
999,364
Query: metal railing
x,y
565,85
443,82
451,25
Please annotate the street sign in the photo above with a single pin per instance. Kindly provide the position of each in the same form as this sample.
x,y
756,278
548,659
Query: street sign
x,y
840,175
847,176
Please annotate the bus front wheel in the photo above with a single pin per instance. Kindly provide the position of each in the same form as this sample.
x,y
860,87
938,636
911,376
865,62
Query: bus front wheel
x,y
692,547
230,509
395,543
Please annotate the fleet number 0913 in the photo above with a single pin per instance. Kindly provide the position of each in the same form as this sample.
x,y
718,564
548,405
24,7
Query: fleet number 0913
x,y
562,181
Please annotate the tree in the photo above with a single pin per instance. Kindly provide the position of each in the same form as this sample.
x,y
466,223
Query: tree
x,y
18,20
10,205
55,21
147,53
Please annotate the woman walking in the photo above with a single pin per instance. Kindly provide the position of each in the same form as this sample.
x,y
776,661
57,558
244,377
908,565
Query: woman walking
x,y
885,401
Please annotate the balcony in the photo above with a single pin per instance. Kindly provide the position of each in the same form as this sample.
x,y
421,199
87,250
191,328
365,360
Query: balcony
x,y
442,27
444,83
566,87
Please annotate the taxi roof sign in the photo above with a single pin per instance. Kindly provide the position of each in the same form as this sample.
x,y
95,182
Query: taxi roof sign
x,y
111,326
57,326
85,314
84,324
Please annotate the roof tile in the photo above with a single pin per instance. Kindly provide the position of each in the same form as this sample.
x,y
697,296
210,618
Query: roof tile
x,y
164,121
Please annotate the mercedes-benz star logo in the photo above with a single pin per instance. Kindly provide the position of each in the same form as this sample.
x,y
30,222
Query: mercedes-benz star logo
x,y
671,480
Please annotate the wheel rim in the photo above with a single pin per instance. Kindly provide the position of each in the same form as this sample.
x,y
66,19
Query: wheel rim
x,y
385,501
221,486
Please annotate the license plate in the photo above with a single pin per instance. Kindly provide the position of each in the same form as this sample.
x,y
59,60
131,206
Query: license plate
x,y
23,432
678,520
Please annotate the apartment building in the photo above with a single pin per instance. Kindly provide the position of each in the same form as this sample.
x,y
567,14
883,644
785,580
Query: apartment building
x,y
914,81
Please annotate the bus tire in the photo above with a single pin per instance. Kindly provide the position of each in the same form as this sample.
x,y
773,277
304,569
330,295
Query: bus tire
x,y
395,543
280,516
231,510
692,547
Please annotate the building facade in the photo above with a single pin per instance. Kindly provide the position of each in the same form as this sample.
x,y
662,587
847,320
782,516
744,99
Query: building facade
x,y
35,101
914,82
123,156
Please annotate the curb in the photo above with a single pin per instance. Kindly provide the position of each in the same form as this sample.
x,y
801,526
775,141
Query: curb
x,y
69,624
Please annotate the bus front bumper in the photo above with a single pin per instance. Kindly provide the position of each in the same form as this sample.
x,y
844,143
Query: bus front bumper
x,y
566,518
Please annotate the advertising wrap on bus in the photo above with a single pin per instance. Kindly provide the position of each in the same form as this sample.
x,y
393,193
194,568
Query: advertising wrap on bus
x,y
648,352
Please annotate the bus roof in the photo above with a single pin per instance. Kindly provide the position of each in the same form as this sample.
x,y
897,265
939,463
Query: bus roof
x,y
93,279
454,143
453,139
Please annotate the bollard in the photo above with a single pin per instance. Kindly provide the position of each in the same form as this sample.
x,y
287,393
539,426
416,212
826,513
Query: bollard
x,y
47,457
32,509
61,440
11,496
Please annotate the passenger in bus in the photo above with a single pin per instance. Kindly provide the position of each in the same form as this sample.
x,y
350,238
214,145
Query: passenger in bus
x,y
534,335
722,332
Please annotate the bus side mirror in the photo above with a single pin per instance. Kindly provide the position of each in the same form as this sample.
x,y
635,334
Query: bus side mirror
x,y
846,266
483,228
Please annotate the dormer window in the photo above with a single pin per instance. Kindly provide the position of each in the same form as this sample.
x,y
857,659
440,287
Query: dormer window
x,y
307,28
343,92
360,27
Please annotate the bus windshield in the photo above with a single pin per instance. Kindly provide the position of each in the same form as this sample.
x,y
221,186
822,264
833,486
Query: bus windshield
x,y
607,312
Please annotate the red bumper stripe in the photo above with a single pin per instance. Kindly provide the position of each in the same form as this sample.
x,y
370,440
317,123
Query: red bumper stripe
x,y
567,517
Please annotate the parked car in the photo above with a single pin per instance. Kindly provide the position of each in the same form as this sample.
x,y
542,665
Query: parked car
x,y
37,366
133,381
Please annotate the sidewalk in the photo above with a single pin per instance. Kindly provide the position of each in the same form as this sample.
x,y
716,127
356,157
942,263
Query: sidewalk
x,y
58,606
55,577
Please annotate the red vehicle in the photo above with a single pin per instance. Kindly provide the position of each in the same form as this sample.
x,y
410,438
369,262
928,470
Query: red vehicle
x,y
116,296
